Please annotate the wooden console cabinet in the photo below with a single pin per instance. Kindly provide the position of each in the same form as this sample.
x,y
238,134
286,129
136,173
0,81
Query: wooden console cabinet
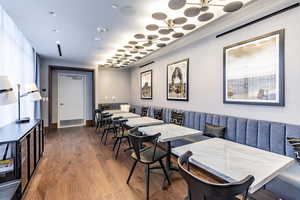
x,y
25,147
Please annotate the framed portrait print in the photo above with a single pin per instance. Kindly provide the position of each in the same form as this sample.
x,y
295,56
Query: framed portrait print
x,y
254,71
146,84
178,81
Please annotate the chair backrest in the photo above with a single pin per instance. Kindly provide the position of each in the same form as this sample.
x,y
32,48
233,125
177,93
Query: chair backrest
x,y
137,140
177,118
144,111
158,114
202,190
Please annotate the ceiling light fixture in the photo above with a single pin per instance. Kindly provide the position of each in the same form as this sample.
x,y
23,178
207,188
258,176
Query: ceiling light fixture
x,y
115,6
102,29
97,38
52,13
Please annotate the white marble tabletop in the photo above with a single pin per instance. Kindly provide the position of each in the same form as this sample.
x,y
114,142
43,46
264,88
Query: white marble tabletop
x,y
233,161
169,132
143,121
126,115
114,111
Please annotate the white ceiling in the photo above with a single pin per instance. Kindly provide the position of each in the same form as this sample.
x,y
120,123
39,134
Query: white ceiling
x,y
77,22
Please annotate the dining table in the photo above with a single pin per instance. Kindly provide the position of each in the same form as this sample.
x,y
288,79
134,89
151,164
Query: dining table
x,y
143,121
232,161
169,133
126,115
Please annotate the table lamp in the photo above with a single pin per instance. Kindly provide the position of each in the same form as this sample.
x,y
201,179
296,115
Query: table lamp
x,y
31,91
7,95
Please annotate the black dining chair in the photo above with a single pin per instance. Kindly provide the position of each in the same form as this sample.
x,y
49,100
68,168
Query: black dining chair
x,y
144,111
199,189
146,155
122,135
97,118
111,126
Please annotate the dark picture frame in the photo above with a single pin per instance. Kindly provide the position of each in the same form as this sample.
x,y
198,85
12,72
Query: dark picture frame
x,y
178,91
146,89
253,84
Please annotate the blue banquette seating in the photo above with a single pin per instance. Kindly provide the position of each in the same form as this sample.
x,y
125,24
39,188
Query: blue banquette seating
x,y
266,135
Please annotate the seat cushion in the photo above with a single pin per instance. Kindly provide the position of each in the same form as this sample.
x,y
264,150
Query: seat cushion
x,y
147,155
287,183
214,131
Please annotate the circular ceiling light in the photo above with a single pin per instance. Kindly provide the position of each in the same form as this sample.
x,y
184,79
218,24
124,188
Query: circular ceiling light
x,y
192,12
132,60
138,57
176,4
152,37
189,27
127,55
132,42
159,16
180,20
206,17
143,53
127,47
233,6
150,50
149,44
118,54
139,36
115,6
152,27
165,31
177,35
139,47
164,39
133,52
160,45
121,50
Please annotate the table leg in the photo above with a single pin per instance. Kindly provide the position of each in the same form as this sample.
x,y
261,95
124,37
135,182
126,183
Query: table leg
x,y
169,167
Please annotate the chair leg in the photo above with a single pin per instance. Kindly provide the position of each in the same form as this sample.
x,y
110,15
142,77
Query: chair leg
x,y
115,144
118,148
131,171
147,170
105,138
165,171
103,134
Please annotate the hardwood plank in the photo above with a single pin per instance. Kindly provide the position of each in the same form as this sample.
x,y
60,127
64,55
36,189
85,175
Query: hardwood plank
x,y
77,166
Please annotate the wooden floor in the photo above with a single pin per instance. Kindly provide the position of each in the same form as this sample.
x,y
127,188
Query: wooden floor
x,y
76,166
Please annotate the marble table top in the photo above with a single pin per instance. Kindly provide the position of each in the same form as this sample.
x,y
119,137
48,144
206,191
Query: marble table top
x,y
233,161
143,121
126,115
169,132
114,111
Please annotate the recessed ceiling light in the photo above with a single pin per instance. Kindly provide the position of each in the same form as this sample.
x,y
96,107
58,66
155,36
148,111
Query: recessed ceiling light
x,y
55,30
115,6
52,12
97,39
102,29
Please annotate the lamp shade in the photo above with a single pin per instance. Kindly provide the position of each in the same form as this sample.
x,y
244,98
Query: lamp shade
x,y
30,88
7,95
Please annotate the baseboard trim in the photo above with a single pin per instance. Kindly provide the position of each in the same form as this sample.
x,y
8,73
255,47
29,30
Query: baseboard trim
x,y
89,123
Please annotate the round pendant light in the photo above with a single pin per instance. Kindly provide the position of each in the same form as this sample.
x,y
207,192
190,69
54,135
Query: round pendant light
x,y
159,16
206,17
139,36
132,42
152,37
189,27
164,39
164,31
233,6
176,4
152,27
192,12
180,20
160,45
177,35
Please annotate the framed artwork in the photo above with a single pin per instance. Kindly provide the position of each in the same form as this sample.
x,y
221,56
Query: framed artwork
x,y
254,71
178,81
146,84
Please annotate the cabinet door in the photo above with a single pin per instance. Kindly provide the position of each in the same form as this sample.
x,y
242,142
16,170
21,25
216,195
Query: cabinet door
x,y
24,162
37,146
31,152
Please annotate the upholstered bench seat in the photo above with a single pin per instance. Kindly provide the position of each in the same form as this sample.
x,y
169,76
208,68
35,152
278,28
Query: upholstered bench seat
x,y
287,183
265,135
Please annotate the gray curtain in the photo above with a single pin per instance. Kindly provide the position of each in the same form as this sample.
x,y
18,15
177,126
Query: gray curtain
x,y
37,104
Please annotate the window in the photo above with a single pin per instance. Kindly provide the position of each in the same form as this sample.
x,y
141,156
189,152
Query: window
x,y
16,62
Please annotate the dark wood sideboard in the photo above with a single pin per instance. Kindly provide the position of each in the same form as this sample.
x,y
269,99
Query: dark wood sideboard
x,y
22,146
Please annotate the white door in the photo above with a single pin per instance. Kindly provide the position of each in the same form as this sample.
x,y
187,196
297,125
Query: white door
x,y
71,100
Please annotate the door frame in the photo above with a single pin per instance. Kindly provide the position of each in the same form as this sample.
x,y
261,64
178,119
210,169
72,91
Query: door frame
x,y
51,69
84,98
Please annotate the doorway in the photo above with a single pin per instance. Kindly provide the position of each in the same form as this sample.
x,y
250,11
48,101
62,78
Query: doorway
x,y
53,110
71,100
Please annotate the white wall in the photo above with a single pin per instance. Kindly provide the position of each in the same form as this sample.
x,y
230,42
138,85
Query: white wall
x,y
206,71
114,82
